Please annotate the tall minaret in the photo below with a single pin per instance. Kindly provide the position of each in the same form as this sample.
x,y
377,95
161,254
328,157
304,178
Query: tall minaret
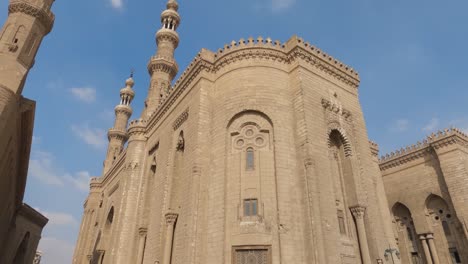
x,y
118,134
27,23
163,67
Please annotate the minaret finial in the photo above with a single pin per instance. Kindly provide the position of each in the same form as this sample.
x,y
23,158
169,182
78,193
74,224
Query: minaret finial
x,y
132,71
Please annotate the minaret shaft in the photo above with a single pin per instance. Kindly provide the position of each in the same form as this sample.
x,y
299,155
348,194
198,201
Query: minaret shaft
x,y
162,67
26,26
118,135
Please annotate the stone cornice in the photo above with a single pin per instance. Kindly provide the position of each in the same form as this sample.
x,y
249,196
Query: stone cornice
x,y
34,216
435,141
120,161
293,50
46,17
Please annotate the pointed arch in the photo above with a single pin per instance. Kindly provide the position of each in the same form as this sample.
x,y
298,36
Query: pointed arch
x,y
337,131
410,246
110,216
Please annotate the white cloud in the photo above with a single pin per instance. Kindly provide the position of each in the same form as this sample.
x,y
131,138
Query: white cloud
x,y
80,180
400,125
107,116
432,125
92,136
36,140
56,251
84,94
59,219
279,5
117,3
41,167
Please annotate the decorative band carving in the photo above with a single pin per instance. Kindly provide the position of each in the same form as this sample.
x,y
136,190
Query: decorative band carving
x,y
45,17
180,120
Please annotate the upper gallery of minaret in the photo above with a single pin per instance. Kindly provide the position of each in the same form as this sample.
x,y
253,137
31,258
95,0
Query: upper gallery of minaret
x,y
27,23
162,67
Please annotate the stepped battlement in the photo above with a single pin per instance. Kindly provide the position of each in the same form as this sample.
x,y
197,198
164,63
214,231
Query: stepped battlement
x,y
438,139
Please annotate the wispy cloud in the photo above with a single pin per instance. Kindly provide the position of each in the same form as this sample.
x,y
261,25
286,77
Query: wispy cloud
x,y
432,125
107,116
56,251
95,137
59,219
117,4
84,94
280,5
80,180
41,166
400,125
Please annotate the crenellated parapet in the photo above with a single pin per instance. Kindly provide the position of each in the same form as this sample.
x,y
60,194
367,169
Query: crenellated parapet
x,y
137,128
374,147
95,183
440,139
35,9
261,49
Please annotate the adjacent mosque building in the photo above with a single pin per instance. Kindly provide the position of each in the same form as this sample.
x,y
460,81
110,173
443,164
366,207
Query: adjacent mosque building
x,y
259,154
28,22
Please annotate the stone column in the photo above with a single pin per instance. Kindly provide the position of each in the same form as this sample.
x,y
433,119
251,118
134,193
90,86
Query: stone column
x,y
432,248
141,244
427,254
171,218
358,213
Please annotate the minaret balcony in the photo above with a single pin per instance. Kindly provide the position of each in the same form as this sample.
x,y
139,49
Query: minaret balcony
x,y
165,34
117,134
123,109
163,64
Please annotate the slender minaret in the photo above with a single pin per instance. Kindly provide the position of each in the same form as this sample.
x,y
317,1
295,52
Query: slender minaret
x,y
163,67
118,135
27,23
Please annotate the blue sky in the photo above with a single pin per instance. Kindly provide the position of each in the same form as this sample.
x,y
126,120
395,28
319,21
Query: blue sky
x,y
410,55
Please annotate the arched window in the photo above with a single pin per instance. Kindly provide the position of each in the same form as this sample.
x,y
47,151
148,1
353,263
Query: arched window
x,y
110,216
250,159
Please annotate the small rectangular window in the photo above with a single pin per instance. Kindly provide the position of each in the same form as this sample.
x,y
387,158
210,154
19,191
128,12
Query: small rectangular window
x,y
250,160
446,228
341,222
414,258
250,207
455,256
